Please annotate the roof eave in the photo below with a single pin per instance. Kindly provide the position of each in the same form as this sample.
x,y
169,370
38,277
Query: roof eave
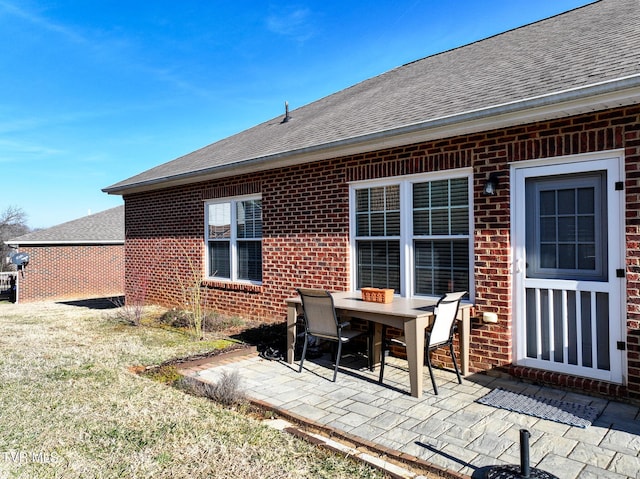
x,y
600,96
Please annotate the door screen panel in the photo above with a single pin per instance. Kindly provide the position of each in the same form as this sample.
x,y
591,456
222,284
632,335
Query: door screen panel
x,y
566,297
566,227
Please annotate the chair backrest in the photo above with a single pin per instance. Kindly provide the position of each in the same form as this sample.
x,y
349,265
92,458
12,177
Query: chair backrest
x,y
445,313
319,312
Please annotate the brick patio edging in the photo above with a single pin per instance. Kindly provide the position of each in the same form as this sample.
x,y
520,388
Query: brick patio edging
x,y
200,364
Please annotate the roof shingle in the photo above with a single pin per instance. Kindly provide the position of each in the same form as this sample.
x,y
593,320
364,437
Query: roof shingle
x,y
104,227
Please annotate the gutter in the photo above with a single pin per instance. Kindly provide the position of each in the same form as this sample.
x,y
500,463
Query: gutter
x,y
18,244
608,94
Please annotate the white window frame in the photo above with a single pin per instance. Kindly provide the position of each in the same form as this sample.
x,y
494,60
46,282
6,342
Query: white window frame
x,y
233,239
407,277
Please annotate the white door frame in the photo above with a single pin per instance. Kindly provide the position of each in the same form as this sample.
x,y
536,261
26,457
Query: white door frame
x,y
613,163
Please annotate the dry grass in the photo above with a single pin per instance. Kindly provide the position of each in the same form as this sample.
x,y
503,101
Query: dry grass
x,y
70,408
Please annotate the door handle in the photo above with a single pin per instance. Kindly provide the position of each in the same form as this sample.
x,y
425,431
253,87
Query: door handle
x,y
519,265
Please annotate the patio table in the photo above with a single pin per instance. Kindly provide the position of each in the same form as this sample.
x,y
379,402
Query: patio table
x,y
408,314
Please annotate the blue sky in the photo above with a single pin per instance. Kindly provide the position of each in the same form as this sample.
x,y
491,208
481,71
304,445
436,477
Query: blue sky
x,y
93,92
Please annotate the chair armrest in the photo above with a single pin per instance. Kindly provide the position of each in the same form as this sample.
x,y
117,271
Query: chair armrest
x,y
345,324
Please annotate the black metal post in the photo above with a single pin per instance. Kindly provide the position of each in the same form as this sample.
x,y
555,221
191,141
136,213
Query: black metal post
x,y
525,470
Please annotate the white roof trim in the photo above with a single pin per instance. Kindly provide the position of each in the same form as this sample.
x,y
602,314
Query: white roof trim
x,y
61,242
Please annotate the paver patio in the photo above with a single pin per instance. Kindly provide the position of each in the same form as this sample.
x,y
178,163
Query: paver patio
x,y
450,430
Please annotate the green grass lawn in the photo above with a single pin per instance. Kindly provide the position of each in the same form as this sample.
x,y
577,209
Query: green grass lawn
x,y
70,408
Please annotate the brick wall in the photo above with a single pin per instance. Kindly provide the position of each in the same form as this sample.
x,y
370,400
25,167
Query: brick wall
x,y
305,224
305,240
71,272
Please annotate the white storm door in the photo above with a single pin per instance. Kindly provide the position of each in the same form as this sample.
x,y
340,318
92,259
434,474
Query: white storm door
x,y
568,266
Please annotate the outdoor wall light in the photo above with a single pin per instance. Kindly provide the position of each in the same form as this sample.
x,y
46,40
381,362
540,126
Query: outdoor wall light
x,y
491,185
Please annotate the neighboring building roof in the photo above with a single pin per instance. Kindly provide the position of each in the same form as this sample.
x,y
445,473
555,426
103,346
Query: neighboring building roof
x,y
106,227
583,60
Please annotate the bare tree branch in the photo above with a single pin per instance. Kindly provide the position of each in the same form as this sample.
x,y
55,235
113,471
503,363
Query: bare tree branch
x,y
13,223
13,216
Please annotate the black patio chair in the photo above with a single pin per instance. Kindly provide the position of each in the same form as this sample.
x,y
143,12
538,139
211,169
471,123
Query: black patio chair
x,y
439,334
321,321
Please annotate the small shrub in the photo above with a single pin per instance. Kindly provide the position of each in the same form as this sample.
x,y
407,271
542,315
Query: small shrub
x,y
176,318
226,391
129,313
217,322
212,322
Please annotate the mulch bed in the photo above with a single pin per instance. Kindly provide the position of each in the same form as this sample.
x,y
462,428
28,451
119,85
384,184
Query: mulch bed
x,y
252,339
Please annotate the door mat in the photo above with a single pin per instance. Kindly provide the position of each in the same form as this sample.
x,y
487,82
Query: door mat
x,y
572,414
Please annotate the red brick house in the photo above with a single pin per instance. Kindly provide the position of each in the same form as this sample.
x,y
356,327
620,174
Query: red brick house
x,y
386,184
79,259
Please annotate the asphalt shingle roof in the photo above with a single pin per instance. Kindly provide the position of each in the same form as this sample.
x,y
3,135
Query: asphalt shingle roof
x,y
104,227
597,43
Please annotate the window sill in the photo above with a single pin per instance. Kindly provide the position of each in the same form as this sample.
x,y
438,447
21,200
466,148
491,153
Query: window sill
x,y
231,286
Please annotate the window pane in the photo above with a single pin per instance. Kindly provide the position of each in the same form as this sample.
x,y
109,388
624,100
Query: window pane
x,y
392,207
547,255
440,222
439,193
421,215
586,203
362,213
249,219
460,256
219,218
566,202
250,260
378,264
569,236
441,207
421,220
392,198
460,280
378,211
442,282
567,256
257,218
424,281
548,229
219,261
377,199
362,225
547,203
460,221
377,224
566,228
459,192
362,201
587,256
441,266
421,195
393,224
424,255
586,228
